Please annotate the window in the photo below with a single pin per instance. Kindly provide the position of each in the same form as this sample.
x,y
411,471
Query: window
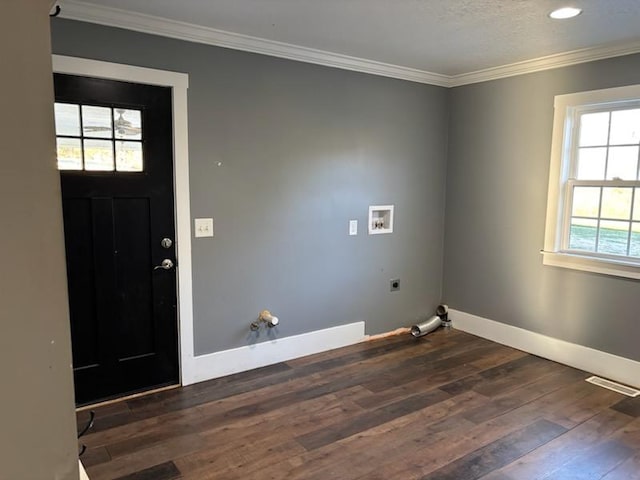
x,y
99,139
593,212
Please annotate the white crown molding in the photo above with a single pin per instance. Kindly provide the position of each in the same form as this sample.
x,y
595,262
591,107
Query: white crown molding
x,y
113,17
548,62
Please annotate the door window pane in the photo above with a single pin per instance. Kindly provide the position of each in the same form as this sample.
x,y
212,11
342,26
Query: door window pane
x,y
69,152
98,155
67,119
96,121
107,139
127,124
636,205
128,156
616,203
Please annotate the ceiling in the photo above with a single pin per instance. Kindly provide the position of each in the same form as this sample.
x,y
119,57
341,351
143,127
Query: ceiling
x,y
437,41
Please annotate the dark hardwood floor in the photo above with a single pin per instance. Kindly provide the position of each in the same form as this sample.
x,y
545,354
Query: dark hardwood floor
x,y
445,406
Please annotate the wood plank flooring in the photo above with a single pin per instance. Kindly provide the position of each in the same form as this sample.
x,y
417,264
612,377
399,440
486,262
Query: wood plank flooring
x,y
445,406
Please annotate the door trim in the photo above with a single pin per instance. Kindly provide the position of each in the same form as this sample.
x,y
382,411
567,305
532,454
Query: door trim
x,y
179,83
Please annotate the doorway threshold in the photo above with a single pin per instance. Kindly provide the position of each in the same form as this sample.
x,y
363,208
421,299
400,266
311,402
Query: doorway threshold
x,y
110,401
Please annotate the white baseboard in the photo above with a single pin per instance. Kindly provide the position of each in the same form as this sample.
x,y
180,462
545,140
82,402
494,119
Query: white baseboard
x,y
227,362
83,473
604,364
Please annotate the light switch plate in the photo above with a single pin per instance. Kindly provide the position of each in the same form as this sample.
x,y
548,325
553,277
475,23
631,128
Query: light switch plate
x,y
353,227
203,227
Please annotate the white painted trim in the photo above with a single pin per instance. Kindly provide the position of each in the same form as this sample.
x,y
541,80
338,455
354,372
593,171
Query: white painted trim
x,y
606,365
548,62
118,71
227,362
86,12
179,82
591,264
138,22
566,108
82,471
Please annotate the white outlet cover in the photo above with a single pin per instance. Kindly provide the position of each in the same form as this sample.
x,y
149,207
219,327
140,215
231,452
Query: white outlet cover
x,y
353,227
203,227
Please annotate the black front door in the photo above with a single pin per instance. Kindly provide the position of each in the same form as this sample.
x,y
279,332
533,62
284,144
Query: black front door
x,y
115,156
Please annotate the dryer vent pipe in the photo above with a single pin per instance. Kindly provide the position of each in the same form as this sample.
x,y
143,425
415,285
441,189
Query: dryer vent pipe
x,y
440,318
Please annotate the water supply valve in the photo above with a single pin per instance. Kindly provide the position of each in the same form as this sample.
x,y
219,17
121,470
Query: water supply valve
x,y
265,317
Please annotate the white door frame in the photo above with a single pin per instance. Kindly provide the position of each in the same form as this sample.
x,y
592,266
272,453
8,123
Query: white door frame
x,y
179,83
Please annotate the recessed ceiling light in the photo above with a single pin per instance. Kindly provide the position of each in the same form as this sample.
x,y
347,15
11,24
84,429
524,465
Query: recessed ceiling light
x,y
565,12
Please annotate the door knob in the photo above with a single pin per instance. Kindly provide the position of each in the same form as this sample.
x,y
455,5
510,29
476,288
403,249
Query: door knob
x,y
166,264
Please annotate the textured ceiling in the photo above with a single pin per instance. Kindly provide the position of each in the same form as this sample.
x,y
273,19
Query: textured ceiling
x,y
448,37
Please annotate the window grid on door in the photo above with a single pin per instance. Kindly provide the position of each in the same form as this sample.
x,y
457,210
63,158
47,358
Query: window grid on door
x,y
94,138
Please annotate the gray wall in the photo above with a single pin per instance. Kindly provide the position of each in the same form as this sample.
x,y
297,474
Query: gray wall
x,y
304,148
498,168
37,419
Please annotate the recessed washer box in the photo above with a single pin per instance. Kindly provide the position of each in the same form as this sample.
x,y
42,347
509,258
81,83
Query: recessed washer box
x,y
380,219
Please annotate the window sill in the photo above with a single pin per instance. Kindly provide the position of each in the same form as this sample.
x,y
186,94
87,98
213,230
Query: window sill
x,y
616,268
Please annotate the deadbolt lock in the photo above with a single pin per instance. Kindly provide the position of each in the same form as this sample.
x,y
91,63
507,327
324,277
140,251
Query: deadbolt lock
x,y
166,243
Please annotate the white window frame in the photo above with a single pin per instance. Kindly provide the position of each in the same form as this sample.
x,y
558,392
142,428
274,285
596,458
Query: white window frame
x,y
558,203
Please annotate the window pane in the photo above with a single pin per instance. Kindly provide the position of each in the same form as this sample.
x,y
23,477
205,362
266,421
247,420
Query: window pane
x,y
67,119
128,156
625,127
127,123
591,163
98,155
613,237
636,205
616,203
96,121
623,163
634,248
583,234
69,151
586,201
594,129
